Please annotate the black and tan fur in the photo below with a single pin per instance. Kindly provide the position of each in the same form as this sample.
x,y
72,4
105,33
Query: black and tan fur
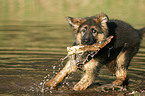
x,y
116,55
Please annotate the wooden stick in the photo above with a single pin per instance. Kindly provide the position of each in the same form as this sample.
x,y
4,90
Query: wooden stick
x,y
83,48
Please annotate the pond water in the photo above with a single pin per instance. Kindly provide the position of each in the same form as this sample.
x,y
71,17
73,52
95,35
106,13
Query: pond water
x,y
30,54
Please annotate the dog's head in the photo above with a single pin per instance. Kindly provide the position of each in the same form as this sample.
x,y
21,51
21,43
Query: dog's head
x,y
89,30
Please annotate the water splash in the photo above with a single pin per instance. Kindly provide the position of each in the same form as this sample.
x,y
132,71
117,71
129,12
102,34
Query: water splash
x,y
56,68
40,87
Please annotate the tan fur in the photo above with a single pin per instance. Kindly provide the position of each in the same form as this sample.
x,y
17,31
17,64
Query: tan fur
x,y
121,58
100,37
77,22
69,67
121,72
88,76
104,28
79,37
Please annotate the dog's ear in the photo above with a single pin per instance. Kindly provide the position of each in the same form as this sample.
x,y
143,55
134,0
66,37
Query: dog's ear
x,y
103,19
74,22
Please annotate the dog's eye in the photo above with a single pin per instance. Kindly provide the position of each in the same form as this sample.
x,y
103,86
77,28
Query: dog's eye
x,y
84,29
93,30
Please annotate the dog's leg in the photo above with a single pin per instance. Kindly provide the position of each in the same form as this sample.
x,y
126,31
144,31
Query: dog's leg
x,y
121,70
88,76
69,67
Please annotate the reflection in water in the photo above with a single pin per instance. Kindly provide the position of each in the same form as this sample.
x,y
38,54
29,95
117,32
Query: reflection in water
x,y
30,54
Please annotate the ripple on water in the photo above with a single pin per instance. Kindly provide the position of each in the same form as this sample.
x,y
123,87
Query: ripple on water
x,y
30,55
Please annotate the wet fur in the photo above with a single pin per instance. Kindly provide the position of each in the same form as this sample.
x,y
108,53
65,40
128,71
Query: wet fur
x,y
116,55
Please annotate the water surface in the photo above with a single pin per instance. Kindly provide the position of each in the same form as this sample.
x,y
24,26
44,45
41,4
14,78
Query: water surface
x,y
30,54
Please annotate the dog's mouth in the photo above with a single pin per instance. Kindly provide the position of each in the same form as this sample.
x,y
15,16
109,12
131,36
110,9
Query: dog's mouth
x,y
88,42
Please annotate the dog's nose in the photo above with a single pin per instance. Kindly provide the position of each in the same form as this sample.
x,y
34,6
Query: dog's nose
x,y
86,42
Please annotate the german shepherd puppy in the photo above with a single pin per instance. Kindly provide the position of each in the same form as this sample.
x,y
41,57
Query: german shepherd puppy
x,y
116,55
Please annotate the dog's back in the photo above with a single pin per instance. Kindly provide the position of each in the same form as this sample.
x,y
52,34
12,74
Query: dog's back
x,y
125,37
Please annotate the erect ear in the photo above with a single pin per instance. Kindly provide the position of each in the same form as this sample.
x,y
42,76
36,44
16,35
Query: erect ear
x,y
74,22
103,19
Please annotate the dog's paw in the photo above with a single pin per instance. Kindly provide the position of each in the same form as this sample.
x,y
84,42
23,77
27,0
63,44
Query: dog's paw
x,y
82,85
51,83
79,86
118,82
107,87
123,82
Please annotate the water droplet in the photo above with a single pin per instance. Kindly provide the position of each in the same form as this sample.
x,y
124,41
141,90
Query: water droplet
x,y
66,77
48,75
41,83
59,68
50,91
45,77
67,83
53,67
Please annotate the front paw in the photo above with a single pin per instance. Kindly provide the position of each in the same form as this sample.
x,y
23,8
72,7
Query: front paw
x,y
118,82
121,81
82,85
51,83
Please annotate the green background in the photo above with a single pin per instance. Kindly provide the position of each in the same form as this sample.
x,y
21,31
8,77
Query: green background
x,y
54,11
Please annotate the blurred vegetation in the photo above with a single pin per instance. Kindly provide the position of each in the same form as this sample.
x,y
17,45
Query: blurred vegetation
x,y
54,11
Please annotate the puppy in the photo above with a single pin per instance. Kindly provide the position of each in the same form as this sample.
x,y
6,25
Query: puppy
x,y
116,55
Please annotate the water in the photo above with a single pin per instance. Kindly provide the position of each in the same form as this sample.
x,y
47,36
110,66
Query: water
x,y
30,54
